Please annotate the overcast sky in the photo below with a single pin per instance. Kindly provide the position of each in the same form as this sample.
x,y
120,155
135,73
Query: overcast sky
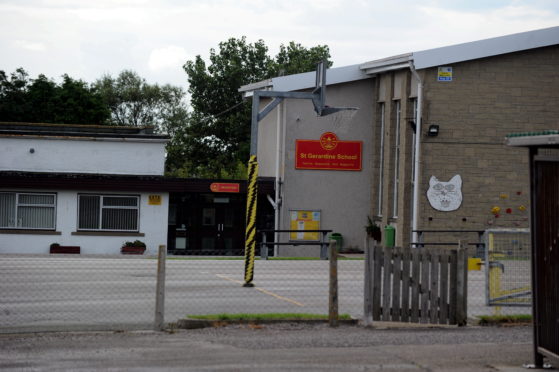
x,y
87,39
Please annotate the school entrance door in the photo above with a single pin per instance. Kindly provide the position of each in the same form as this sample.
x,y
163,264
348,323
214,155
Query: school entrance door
x,y
207,224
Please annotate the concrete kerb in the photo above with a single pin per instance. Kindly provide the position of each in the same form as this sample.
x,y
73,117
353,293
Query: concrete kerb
x,y
202,323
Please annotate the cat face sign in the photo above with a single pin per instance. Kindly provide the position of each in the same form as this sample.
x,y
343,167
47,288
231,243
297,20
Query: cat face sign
x,y
445,196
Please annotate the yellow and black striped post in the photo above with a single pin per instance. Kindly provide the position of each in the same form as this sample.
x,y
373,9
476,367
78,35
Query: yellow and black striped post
x,y
250,235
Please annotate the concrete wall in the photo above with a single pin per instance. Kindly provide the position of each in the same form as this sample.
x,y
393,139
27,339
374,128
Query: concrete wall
x,y
343,197
153,226
82,156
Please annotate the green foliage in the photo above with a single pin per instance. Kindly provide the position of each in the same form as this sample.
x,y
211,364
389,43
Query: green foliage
x,y
217,138
373,230
135,243
295,58
42,100
134,102
488,320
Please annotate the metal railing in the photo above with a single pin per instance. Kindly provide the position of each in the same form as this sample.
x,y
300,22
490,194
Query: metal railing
x,y
323,243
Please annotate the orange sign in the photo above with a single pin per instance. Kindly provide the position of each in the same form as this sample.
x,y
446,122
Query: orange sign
x,y
225,187
328,153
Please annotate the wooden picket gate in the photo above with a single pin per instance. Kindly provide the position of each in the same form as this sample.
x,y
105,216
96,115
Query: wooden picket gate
x,y
417,285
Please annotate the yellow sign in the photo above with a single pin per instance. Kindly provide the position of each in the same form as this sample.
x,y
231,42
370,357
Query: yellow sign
x,y
154,199
474,264
305,220
444,74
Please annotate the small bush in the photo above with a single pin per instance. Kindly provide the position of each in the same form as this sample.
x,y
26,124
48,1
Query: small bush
x,y
488,320
136,243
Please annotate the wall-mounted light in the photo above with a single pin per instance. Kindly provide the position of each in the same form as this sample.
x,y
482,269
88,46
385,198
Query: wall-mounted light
x,y
433,130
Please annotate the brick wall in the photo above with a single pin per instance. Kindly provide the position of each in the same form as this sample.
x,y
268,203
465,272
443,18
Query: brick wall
x,y
486,100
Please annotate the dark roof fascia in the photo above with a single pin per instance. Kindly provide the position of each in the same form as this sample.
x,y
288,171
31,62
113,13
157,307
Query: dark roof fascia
x,y
111,182
70,130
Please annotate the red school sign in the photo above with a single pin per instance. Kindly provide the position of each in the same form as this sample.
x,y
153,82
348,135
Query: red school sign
x,y
328,153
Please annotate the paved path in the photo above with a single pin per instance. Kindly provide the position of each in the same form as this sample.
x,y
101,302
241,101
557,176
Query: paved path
x,y
279,347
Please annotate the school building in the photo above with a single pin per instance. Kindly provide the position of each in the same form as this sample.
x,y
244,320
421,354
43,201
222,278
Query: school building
x,y
425,151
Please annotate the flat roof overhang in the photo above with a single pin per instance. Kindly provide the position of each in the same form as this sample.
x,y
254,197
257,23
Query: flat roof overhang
x,y
539,139
111,182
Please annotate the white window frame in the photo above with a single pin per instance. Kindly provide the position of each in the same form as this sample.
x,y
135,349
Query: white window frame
x,y
101,207
17,204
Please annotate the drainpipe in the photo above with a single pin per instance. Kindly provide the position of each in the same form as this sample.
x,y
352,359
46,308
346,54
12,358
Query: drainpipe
x,y
417,151
277,196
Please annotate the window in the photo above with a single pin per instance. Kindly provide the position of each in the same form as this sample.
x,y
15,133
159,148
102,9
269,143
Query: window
x,y
108,212
27,210
381,161
414,108
396,181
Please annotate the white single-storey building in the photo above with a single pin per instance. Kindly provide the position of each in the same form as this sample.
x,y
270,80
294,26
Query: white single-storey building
x,y
94,187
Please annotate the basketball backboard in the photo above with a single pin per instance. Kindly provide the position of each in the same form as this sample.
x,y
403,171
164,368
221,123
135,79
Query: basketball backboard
x,y
320,87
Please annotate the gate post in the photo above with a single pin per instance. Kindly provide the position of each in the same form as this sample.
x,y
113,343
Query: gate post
x,y
368,287
333,293
159,320
462,285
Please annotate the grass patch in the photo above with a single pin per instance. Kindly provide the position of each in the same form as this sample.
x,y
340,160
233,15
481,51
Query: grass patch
x,y
265,316
293,259
487,320
239,258
340,258
216,258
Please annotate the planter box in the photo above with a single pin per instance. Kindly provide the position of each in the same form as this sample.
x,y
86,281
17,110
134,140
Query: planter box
x,y
65,249
132,250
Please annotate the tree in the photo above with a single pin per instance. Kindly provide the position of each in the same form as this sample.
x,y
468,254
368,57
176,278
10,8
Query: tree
x,y
75,102
42,100
217,138
13,99
295,58
134,102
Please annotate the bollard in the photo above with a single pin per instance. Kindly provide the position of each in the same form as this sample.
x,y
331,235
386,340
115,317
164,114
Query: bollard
x,y
159,321
333,293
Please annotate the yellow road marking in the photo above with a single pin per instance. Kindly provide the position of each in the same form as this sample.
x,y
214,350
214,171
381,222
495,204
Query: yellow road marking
x,y
227,278
263,291
279,297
